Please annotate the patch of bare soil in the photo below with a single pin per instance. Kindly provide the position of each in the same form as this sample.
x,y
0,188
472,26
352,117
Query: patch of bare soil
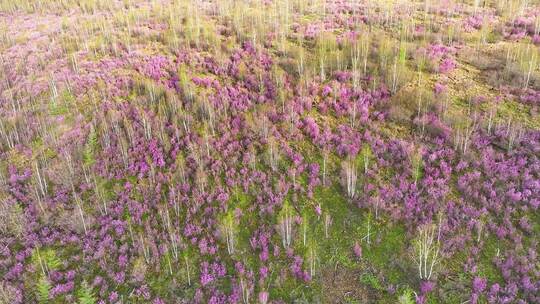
x,y
341,285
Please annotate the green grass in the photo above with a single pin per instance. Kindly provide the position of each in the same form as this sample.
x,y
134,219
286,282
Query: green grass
x,y
519,112
347,228
486,268
390,249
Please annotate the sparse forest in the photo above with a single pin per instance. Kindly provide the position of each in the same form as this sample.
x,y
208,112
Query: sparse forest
x,y
269,151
